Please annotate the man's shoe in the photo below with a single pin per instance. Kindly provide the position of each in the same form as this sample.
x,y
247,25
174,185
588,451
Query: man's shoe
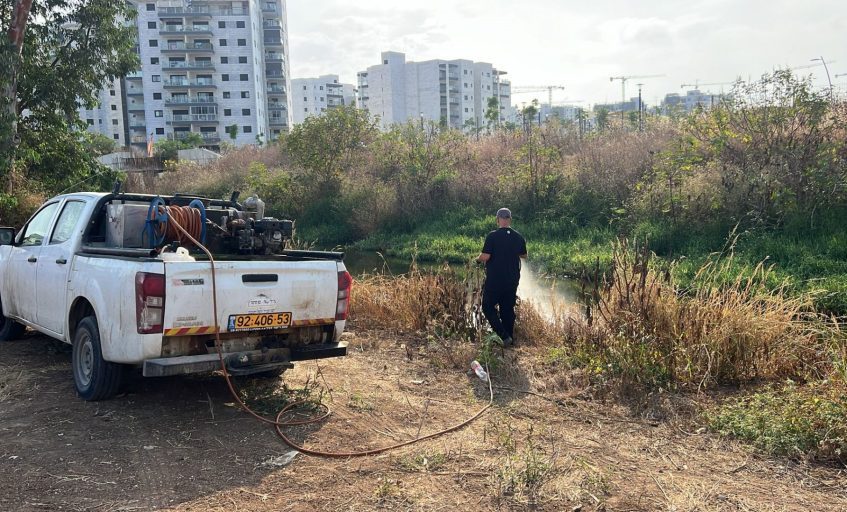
x,y
508,341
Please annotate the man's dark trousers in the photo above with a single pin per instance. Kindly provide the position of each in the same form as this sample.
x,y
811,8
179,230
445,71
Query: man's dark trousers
x,y
502,295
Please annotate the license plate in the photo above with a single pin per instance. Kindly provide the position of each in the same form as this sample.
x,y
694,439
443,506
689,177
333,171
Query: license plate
x,y
259,321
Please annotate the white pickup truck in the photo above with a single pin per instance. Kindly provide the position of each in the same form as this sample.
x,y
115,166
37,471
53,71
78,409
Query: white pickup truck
x,y
97,271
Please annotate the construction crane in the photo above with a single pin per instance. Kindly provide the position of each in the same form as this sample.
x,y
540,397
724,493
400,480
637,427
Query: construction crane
x,y
623,80
539,88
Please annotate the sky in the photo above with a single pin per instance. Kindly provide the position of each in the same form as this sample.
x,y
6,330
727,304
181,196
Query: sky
x,y
578,44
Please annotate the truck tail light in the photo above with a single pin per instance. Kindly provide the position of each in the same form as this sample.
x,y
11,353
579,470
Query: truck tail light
x,y
149,302
345,283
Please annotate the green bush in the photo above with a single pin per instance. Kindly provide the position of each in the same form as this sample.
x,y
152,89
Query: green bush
x,y
792,420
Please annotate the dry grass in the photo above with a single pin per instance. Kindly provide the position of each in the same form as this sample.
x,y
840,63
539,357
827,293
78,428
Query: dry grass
x,y
13,381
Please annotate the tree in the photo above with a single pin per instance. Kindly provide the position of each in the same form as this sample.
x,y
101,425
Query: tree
x,y
100,144
492,112
73,48
326,146
232,130
601,115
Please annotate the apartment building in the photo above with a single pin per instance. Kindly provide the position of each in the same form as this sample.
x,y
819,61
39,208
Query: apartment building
x,y
107,117
217,68
313,96
454,93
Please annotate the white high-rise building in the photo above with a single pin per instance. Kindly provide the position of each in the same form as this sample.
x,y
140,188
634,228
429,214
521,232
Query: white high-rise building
x,y
313,96
450,92
217,68
107,117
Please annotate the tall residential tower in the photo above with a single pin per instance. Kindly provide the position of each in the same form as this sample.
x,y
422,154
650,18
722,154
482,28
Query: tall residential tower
x,y
451,92
217,68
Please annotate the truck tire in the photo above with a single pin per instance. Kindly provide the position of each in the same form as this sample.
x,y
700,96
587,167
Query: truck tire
x,y
94,377
9,329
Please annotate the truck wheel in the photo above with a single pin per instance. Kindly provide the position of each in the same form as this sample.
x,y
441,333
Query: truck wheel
x,y
9,329
94,378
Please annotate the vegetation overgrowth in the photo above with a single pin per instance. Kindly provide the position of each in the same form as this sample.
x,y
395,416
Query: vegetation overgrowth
x,y
761,175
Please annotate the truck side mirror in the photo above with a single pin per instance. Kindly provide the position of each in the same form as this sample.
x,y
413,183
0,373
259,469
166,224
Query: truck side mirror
x,y
7,236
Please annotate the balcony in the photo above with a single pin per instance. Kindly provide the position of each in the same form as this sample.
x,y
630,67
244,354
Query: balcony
x,y
190,65
278,121
272,24
168,84
276,90
140,127
235,11
135,75
277,106
135,92
178,29
190,100
138,139
191,47
269,9
192,118
135,107
274,57
202,11
273,42
274,74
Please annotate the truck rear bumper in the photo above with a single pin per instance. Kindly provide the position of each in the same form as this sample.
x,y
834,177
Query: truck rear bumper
x,y
241,363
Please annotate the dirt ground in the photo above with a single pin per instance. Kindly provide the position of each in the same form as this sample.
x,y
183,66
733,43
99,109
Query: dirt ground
x,y
180,444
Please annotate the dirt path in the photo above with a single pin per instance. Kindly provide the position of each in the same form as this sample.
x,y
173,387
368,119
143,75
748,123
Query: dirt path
x,y
179,444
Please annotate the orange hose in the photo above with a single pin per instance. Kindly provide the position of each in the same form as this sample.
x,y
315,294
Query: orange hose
x,y
278,423
185,224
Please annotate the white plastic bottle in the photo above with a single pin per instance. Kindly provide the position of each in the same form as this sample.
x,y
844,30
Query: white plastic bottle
x,y
480,372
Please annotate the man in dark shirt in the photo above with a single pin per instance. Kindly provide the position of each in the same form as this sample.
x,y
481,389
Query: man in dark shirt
x,y
502,253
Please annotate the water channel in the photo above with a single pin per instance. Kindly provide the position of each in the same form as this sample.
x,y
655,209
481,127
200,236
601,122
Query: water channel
x,y
549,295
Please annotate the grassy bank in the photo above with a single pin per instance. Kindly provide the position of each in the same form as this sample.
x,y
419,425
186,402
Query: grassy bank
x,y
812,261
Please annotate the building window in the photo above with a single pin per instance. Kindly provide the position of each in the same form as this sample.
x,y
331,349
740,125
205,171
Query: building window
x,y
227,112
156,78
90,122
304,88
221,24
305,98
225,77
99,121
154,61
154,43
321,87
245,94
157,113
239,24
151,24
466,84
466,97
114,122
160,131
245,111
116,136
223,42
243,77
464,71
111,92
385,61
247,129
322,99
226,95
114,107
306,109
466,109
242,60
224,60
151,7
242,42
157,95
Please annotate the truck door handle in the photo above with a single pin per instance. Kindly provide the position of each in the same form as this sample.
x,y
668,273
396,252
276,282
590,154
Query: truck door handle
x,y
32,259
61,261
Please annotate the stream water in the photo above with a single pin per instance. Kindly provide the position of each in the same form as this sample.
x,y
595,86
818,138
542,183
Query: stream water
x,y
548,295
